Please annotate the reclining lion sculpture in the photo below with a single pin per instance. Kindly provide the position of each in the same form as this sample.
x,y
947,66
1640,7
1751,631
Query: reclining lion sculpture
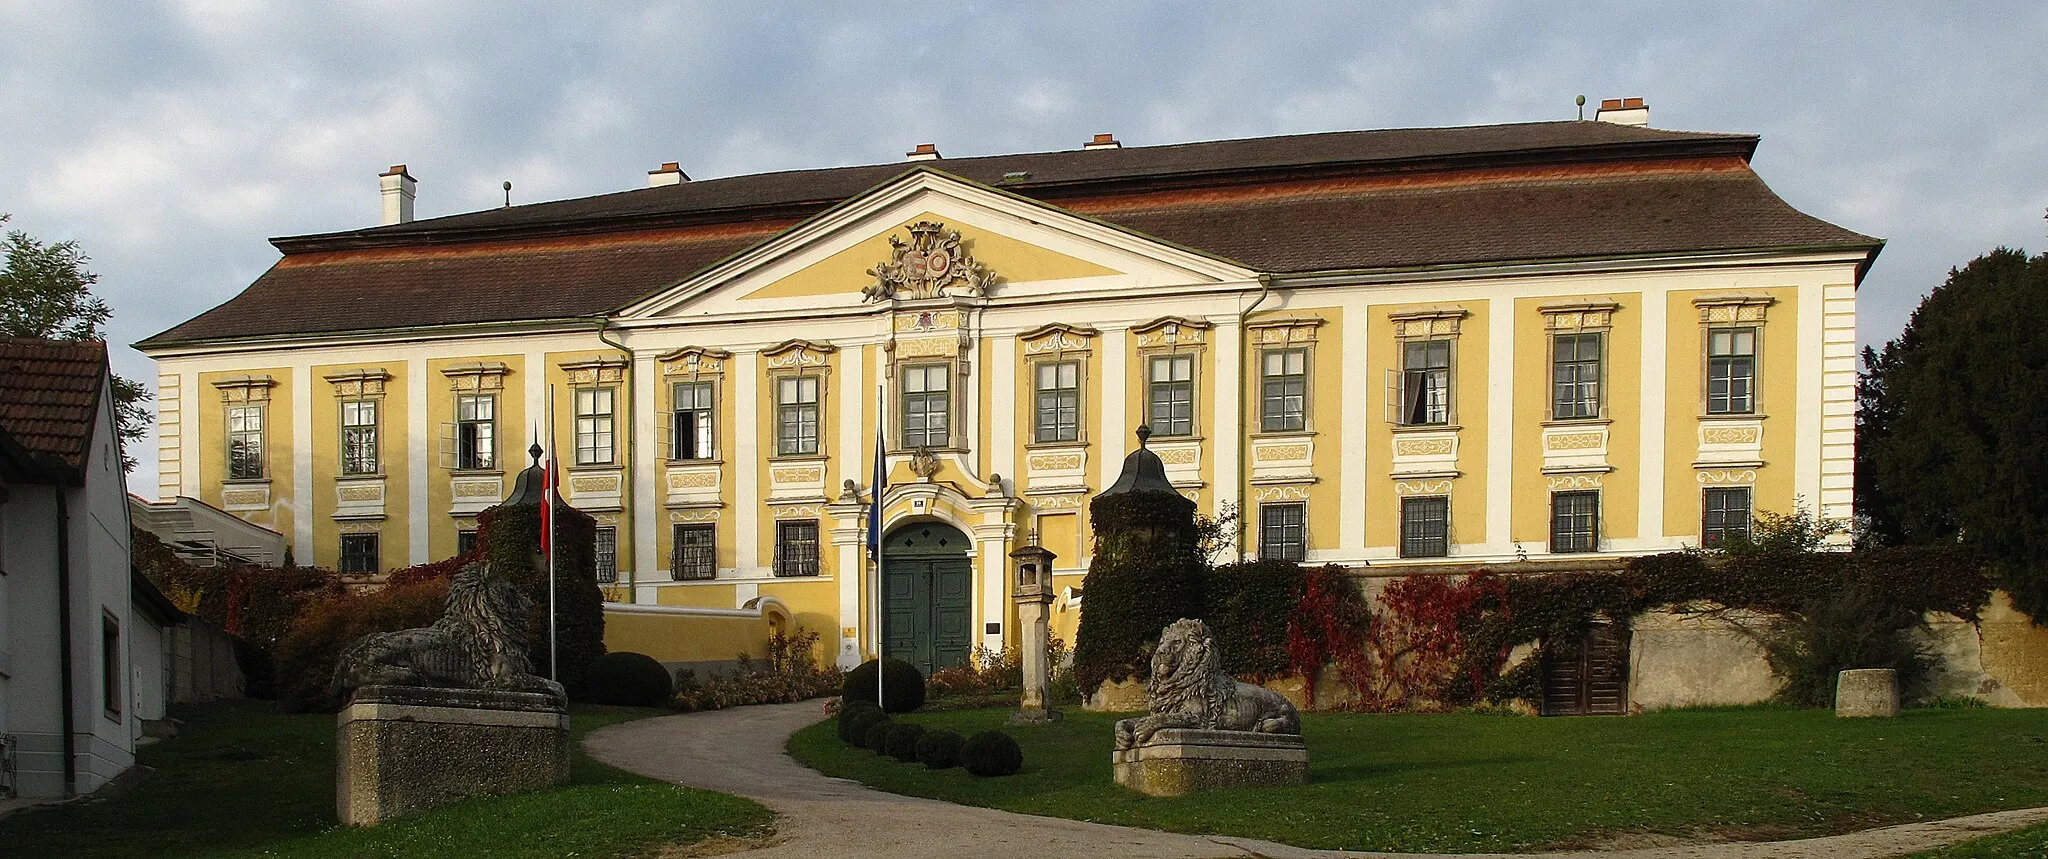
x,y
479,643
1189,689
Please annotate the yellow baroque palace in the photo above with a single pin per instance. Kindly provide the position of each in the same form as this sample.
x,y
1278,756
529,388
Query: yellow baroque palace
x,y
1544,343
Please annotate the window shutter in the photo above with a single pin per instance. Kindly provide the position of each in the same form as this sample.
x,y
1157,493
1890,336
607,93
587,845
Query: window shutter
x,y
665,434
448,432
1393,402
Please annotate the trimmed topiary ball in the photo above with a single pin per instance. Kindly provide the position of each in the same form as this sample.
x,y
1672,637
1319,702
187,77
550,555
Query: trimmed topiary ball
x,y
848,712
877,738
902,743
940,749
992,753
857,728
903,686
628,679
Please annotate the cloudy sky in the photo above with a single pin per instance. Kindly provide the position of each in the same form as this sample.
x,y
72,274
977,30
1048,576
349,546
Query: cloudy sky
x,y
170,139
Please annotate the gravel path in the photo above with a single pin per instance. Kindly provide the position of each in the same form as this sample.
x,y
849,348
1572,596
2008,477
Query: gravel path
x,y
739,751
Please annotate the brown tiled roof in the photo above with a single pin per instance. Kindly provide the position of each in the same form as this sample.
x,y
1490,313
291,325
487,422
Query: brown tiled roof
x,y
1339,201
49,395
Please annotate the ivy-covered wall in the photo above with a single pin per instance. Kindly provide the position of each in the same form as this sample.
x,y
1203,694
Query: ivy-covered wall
x,y
509,538
1147,573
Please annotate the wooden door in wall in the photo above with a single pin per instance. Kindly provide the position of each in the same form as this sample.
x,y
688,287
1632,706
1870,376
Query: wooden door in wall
x,y
1588,677
927,596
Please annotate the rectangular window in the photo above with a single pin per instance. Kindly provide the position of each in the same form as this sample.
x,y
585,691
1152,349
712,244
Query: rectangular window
x,y
1731,371
1170,395
1425,382
111,696
796,548
1574,521
594,424
476,432
1283,390
1574,376
1281,531
465,541
691,421
359,437
359,554
796,416
606,552
245,442
1059,402
1425,526
927,406
1727,516
695,555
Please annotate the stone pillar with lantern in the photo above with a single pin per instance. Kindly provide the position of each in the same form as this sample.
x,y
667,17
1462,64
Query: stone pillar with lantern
x,y
1033,595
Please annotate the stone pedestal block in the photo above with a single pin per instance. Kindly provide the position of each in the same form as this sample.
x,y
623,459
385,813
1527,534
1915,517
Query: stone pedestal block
x,y
404,749
1866,692
1179,762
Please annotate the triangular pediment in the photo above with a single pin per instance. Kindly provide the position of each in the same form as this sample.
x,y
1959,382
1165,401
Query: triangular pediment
x,y
927,234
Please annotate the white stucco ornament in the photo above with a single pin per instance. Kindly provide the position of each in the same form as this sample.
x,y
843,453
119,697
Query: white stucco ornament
x,y
932,264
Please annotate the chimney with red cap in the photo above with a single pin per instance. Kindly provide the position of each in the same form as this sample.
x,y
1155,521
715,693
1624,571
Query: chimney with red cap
x,y
398,188
1624,111
923,152
671,173
1103,141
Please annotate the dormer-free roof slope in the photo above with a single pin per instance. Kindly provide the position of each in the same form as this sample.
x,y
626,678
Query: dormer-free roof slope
x,y
50,396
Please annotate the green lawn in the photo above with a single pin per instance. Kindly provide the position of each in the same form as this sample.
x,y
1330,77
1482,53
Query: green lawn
x,y
2028,843
1466,783
246,780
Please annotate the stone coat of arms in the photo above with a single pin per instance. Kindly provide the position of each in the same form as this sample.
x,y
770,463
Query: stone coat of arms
x,y
930,264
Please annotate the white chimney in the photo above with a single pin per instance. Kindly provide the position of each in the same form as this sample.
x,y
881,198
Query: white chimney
x,y
923,152
1103,141
1624,111
671,173
398,188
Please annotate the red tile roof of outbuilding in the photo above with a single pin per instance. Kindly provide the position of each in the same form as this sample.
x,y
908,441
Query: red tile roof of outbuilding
x,y
50,395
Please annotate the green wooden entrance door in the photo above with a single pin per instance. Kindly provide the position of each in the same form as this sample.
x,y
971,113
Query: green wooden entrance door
x,y
927,596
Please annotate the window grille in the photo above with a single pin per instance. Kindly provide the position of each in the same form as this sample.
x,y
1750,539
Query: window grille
x,y
1282,534
796,548
465,540
359,553
605,550
695,554
1425,526
1574,521
1726,516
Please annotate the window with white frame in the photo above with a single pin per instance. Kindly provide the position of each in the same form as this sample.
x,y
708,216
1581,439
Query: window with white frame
x,y
476,432
595,421
605,550
1283,390
245,442
1425,382
359,437
1575,376
1058,395
1731,371
927,405
1726,516
796,416
1425,526
694,557
1574,521
1170,395
796,547
691,421
1283,531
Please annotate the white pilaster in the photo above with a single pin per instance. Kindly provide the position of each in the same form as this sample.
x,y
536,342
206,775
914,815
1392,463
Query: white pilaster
x,y
1650,423
1228,435
990,567
1002,436
1356,385
1116,438
1500,423
302,464
856,461
536,417
422,465
746,466
645,404
188,444
1836,415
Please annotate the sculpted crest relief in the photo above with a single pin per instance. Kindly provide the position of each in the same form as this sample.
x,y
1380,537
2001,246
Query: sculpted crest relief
x,y
927,266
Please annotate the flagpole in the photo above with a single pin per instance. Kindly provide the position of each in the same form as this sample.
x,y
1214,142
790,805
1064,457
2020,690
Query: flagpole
x,y
547,501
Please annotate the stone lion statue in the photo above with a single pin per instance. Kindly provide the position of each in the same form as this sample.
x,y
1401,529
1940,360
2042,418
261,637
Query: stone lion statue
x,y
1189,689
479,643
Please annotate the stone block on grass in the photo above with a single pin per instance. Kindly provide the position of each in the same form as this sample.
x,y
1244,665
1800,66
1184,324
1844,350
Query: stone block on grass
x,y
1176,762
1867,693
406,749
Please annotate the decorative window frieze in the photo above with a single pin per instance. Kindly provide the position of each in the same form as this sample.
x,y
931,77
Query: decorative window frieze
x,y
606,370
477,376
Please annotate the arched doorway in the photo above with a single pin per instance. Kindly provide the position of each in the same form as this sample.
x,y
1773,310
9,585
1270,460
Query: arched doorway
x,y
927,595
